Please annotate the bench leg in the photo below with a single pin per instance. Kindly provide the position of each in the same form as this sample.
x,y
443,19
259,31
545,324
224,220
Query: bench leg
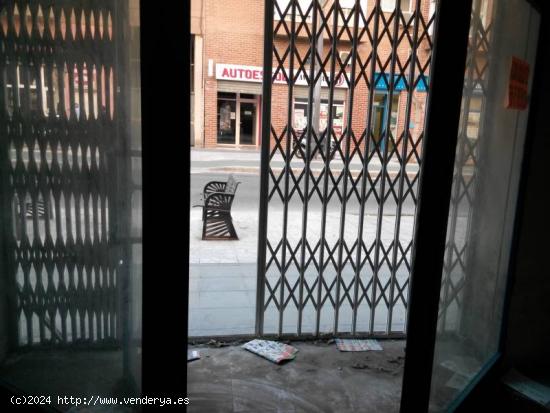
x,y
218,226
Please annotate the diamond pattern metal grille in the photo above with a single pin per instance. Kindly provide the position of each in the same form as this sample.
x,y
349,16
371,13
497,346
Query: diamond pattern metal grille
x,y
463,192
58,122
341,211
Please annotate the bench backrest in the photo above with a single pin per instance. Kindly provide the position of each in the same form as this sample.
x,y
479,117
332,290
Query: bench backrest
x,y
231,185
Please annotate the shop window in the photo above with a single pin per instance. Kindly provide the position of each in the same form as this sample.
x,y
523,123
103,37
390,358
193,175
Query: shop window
x,y
227,119
237,119
381,110
300,115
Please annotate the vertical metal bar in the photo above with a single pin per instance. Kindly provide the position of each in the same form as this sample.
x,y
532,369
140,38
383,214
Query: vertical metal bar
x,y
365,170
121,27
349,119
386,137
327,140
264,169
447,82
313,54
403,166
28,117
7,264
287,164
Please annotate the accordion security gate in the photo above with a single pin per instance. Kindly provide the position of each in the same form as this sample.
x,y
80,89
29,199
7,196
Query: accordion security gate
x,y
64,170
463,197
337,220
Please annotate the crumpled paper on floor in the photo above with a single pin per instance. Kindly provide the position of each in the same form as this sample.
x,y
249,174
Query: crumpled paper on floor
x,y
344,344
193,355
271,350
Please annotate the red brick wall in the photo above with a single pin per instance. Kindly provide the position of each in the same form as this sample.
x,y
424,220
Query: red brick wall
x,y
234,35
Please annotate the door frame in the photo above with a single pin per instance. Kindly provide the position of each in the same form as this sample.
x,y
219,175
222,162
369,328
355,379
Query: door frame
x,y
164,370
238,144
447,79
385,106
254,101
451,31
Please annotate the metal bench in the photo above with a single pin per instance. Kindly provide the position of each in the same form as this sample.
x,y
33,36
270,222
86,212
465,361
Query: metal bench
x,y
40,207
217,198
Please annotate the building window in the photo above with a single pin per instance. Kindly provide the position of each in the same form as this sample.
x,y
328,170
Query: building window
x,y
286,10
431,13
474,116
389,5
300,115
344,56
347,8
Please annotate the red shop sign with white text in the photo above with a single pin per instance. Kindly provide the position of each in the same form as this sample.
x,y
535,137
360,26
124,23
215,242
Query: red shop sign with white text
x,y
255,74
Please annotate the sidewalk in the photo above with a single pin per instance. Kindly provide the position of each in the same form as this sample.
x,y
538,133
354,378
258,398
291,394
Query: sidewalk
x,y
245,250
247,161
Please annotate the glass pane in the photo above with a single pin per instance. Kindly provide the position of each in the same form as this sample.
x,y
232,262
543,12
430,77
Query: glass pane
x,y
484,192
248,123
70,273
380,112
226,121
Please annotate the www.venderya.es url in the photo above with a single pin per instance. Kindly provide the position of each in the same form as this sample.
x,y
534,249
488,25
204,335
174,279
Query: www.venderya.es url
x,y
99,401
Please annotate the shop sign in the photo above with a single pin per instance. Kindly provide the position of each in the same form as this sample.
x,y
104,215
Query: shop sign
x,y
382,82
517,93
255,74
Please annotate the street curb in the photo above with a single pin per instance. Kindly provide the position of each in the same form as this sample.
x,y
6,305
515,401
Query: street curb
x,y
297,171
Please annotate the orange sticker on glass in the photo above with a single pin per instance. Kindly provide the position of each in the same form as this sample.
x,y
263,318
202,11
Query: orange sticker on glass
x,y
517,96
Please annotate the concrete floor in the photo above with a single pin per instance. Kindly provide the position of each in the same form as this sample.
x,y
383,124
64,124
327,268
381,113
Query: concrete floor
x,y
67,373
320,379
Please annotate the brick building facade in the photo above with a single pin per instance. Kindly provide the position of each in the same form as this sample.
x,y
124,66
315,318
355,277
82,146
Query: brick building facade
x,y
226,73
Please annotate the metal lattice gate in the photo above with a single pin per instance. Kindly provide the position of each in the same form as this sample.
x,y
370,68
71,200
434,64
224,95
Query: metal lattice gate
x,y
340,164
471,129
58,117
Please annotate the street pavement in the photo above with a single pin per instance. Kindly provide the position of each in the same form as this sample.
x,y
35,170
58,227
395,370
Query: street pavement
x,y
247,161
223,273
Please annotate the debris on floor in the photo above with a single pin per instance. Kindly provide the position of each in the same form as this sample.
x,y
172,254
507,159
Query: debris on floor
x,y
193,355
357,345
527,387
216,343
271,350
396,360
